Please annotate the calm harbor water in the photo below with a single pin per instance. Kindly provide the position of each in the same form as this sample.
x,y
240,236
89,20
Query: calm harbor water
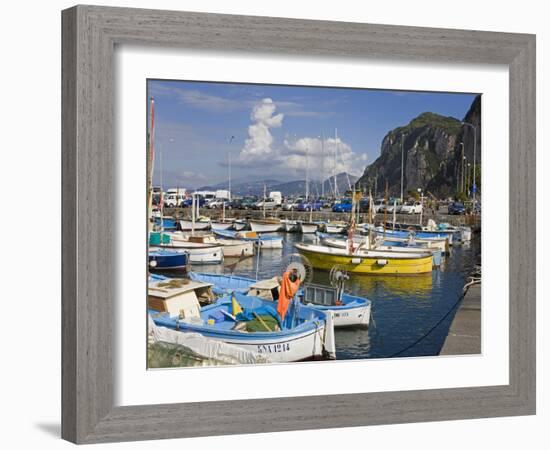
x,y
412,314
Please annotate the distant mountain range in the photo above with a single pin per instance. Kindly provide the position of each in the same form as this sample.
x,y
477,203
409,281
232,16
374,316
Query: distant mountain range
x,y
288,189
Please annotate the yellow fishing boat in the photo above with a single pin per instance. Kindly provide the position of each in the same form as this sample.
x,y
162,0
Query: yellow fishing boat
x,y
368,262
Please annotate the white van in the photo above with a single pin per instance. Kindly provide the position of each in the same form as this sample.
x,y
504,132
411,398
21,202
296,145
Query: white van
x,y
277,196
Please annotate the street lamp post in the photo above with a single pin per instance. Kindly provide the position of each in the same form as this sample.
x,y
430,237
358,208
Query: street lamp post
x,y
462,169
474,187
468,179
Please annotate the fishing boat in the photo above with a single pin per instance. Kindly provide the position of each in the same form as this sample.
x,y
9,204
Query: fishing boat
x,y
166,259
368,262
236,248
246,322
201,249
260,240
265,225
416,234
360,242
308,227
221,224
348,310
290,225
335,227
231,247
201,223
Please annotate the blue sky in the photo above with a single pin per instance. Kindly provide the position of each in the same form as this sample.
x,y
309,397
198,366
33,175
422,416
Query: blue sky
x,y
278,131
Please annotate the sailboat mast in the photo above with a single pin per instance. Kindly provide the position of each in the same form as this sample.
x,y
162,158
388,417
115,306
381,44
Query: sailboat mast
x,y
307,174
229,183
334,166
161,194
385,208
151,156
264,200
323,164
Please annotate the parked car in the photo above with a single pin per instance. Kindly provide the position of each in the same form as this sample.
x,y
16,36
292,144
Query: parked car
x,y
390,207
292,204
313,205
248,202
217,203
379,205
188,202
411,207
344,206
268,203
456,208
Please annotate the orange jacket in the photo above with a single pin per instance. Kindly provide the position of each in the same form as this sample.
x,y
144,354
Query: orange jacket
x,y
287,292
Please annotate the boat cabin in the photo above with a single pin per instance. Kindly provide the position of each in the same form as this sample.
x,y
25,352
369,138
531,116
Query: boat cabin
x,y
179,297
320,295
265,289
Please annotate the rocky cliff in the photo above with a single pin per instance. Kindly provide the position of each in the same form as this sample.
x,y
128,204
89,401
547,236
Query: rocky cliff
x,y
432,155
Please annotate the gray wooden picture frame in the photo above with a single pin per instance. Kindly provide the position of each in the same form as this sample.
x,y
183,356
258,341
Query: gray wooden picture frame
x,y
90,34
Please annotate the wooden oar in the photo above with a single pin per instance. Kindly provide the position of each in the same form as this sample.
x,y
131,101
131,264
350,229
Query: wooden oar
x,y
261,321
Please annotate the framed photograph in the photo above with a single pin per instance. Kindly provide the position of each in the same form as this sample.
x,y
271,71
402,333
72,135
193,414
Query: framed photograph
x,y
263,219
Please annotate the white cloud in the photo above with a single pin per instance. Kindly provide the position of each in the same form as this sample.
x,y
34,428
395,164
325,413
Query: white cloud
x,y
324,157
258,147
293,157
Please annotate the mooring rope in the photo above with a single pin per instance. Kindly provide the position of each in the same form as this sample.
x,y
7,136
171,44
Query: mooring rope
x,y
474,280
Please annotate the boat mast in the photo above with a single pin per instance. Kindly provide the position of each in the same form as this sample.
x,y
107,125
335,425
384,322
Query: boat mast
x,y
385,208
263,206
323,164
193,206
334,165
371,219
151,157
307,174
161,195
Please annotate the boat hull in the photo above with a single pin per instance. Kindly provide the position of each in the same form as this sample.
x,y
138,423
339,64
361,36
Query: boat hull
x,y
308,228
197,253
334,229
367,265
297,347
291,226
236,249
187,225
221,225
262,227
166,260
357,316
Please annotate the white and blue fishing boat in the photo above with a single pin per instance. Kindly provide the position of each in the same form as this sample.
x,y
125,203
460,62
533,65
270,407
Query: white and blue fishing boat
x,y
261,240
164,259
348,310
416,233
246,322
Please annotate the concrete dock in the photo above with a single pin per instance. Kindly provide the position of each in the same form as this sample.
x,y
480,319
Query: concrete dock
x,y
464,336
